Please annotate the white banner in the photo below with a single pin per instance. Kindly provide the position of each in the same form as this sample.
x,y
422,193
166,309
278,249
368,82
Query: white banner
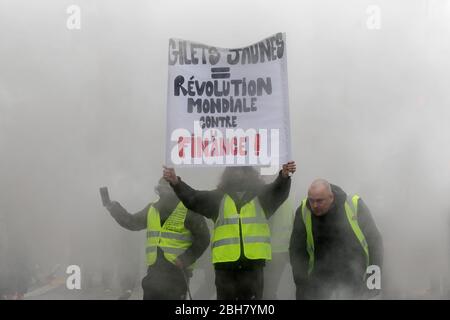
x,y
228,107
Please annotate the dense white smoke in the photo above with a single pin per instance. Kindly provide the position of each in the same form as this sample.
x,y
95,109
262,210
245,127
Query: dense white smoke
x,y
84,108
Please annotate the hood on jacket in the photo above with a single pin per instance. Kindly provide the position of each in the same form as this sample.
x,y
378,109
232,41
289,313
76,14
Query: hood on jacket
x,y
339,195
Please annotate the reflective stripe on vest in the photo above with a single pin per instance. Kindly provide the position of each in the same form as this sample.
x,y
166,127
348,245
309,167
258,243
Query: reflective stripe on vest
x,y
226,243
172,237
351,211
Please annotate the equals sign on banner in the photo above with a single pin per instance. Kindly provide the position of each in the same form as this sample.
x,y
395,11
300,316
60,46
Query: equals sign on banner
x,y
220,73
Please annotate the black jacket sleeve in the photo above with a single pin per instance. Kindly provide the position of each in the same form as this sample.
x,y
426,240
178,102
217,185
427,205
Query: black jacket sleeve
x,y
200,238
297,252
133,222
205,203
371,233
274,194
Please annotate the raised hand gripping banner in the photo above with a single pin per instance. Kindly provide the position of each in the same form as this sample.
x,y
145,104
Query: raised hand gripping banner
x,y
228,107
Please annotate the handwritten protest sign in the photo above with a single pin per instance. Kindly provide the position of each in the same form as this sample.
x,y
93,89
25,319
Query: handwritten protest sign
x,y
228,107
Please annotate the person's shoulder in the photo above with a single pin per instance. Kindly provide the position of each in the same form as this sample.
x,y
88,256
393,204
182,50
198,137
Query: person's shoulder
x,y
360,199
362,209
218,190
147,207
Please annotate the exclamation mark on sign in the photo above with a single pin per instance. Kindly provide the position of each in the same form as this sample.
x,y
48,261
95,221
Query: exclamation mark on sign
x,y
181,147
257,144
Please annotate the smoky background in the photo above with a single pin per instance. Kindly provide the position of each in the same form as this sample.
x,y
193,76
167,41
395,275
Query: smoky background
x,y
80,109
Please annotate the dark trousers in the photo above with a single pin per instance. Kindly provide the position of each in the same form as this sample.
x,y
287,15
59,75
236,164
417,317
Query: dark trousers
x,y
239,284
164,281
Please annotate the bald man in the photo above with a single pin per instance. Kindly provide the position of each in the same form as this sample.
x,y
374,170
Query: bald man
x,y
333,241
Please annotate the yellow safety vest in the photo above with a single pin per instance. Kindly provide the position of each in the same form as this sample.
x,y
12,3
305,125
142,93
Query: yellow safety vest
x,y
255,232
172,237
351,211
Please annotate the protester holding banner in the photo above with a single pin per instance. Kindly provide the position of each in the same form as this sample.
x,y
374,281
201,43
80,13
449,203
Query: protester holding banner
x,y
239,207
176,238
